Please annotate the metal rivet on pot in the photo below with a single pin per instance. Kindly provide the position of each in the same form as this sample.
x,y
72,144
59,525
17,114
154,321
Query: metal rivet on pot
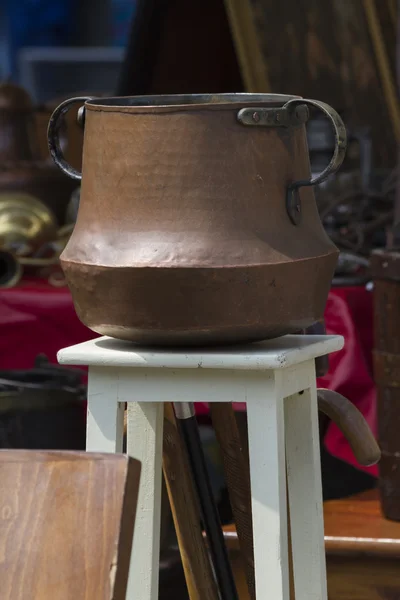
x,y
256,117
302,113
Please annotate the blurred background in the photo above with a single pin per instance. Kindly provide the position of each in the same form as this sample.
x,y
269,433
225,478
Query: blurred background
x,y
343,52
35,30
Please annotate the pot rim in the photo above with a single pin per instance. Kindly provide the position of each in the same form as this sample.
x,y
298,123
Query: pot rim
x,y
186,101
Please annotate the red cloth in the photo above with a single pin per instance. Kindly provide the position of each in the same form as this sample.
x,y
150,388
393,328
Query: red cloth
x,y
37,318
349,312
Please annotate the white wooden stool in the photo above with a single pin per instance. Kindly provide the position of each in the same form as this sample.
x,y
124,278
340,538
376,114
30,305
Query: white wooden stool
x,y
276,379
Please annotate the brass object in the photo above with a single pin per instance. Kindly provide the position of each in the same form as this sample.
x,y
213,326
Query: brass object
x,y
26,226
196,226
11,269
22,168
25,221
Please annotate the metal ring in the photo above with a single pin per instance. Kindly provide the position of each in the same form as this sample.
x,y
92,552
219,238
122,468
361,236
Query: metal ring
x,y
53,138
292,198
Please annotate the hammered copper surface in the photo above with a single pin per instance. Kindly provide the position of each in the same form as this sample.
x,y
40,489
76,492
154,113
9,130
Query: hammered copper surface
x,y
183,236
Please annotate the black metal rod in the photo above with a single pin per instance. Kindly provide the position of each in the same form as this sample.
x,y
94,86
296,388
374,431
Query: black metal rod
x,y
190,433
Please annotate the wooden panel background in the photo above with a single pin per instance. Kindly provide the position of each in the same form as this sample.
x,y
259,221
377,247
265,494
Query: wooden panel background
x,y
324,49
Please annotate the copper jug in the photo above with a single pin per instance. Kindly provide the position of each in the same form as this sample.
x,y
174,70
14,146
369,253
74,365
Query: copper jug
x,y
197,222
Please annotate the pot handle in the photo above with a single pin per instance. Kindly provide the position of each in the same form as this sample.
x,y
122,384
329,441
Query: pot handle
x,y
53,138
292,197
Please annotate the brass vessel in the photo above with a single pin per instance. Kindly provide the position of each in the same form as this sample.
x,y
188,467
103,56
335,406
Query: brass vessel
x,y
26,225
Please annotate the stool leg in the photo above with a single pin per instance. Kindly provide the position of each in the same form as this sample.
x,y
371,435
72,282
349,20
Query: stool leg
x,y
305,495
144,442
105,415
268,490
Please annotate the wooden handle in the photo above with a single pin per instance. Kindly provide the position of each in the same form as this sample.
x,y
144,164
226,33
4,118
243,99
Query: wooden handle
x,y
196,564
353,425
237,475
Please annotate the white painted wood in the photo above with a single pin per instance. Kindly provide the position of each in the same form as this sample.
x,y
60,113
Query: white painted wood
x,y
261,375
183,385
272,354
144,442
305,492
296,379
268,489
105,416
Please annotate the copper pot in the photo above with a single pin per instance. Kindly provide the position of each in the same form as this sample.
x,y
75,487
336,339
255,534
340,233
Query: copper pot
x,y
197,221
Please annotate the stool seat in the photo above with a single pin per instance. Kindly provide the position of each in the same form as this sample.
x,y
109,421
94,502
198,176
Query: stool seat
x,y
278,353
276,379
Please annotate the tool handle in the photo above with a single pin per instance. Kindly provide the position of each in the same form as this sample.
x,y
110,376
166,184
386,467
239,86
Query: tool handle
x,y
353,425
199,577
223,572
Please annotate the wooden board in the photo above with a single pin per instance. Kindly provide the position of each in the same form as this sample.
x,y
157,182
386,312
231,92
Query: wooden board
x,y
66,524
324,50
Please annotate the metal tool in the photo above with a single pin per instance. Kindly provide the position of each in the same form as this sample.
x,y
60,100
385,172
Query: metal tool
x,y
199,576
185,414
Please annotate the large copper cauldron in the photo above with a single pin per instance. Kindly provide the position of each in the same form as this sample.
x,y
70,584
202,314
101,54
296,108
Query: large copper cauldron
x,y
197,221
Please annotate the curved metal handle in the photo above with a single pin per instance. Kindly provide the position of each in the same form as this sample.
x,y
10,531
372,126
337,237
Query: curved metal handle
x,y
352,423
293,199
53,138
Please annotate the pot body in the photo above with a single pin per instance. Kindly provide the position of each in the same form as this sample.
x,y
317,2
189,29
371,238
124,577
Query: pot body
x,y
183,235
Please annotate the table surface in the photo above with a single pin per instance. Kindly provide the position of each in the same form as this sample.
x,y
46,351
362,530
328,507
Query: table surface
x,y
271,354
356,525
353,526
362,550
